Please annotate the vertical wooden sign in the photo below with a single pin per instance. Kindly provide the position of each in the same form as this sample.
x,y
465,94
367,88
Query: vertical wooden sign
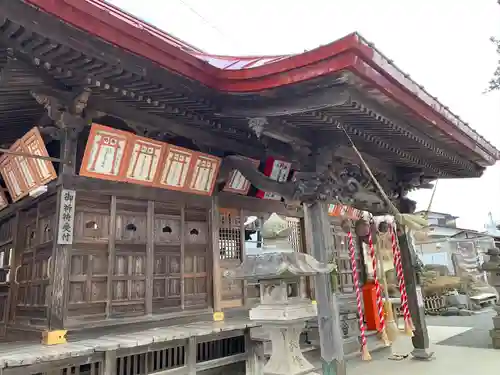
x,y
278,170
105,152
237,183
66,217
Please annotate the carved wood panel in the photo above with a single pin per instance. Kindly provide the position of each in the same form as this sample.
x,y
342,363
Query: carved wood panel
x,y
32,265
167,266
195,279
88,281
89,258
196,244
167,280
128,281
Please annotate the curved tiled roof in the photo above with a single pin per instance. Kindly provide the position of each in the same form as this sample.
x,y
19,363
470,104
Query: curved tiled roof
x,y
250,74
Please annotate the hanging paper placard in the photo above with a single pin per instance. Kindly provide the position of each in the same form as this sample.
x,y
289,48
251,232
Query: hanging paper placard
x,y
343,210
117,155
32,143
176,166
3,200
203,174
237,183
13,177
104,153
277,170
143,160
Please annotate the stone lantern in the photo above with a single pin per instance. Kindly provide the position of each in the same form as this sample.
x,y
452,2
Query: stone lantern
x,y
280,314
492,267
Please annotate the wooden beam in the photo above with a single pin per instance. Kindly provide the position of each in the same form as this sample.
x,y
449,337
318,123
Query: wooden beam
x,y
27,155
133,191
150,121
229,200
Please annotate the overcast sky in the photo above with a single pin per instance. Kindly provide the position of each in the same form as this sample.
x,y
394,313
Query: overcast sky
x,y
443,44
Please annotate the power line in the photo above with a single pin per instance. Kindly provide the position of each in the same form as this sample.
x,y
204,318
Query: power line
x,y
206,21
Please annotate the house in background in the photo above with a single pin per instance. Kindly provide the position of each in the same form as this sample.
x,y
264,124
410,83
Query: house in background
x,y
444,241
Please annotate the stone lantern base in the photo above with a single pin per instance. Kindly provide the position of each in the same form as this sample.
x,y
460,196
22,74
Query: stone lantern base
x,y
285,323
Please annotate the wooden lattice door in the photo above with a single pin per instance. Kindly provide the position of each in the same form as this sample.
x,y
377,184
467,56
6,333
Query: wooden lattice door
x,y
230,254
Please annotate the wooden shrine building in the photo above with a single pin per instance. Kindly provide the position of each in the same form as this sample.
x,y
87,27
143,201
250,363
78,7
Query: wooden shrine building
x,y
121,206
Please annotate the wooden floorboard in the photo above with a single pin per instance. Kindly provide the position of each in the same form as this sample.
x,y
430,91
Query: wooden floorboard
x,y
14,355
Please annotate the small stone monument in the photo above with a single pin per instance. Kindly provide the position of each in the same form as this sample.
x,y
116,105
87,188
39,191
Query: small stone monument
x,y
280,314
492,267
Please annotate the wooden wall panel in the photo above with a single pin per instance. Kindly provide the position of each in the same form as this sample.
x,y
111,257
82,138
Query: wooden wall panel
x,y
33,263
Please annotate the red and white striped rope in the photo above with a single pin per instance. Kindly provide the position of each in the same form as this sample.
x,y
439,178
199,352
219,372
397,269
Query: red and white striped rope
x,y
401,278
355,276
380,303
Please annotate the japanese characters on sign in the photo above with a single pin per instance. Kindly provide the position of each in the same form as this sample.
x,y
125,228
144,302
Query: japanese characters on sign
x,y
278,170
66,217
237,183
117,155
23,174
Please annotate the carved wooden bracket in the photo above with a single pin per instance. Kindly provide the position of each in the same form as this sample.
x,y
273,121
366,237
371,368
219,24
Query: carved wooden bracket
x,y
327,184
67,113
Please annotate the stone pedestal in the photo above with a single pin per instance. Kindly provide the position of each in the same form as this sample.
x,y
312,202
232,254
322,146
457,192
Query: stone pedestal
x,y
492,267
284,323
282,316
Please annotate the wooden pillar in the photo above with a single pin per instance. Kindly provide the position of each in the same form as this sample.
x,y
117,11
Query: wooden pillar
x,y
150,255
420,337
216,272
331,341
61,253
